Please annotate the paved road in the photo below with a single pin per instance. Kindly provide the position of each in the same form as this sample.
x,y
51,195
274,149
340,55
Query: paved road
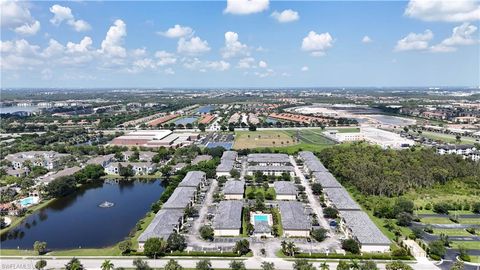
x,y
315,204
95,263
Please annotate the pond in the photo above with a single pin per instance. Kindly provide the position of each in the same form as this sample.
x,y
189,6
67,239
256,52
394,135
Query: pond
x,y
78,221
206,109
185,120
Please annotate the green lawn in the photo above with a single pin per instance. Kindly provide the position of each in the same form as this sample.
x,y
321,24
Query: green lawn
x,y
451,232
447,138
436,220
18,220
466,244
255,190
475,259
347,129
459,212
469,221
276,213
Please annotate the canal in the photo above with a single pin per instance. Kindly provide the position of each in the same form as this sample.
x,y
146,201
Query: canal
x,y
77,221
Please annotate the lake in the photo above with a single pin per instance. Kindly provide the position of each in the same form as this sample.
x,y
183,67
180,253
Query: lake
x,y
15,109
77,220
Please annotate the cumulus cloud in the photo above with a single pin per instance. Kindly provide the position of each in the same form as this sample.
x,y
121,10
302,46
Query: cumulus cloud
x,y
246,62
267,73
233,46
61,14
177,31
262,64
444,10
285,16
28,29
244,7
461,35
165,58
218,65
19,54
317,44
304,68
202,66
414,41
112,44
169,71
366,39
16,17
192,46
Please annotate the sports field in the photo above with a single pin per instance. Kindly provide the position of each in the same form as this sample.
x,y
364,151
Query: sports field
x,y
264,138
289,141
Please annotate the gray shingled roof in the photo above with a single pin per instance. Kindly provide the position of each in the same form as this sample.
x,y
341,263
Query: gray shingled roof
x,y
180,198
162,224
294,216
226,165
326,179
192,179
312,162
268,158
65,172
366,232
201,158
234,187
341,199
270,168
285,188
229,155
228,215
100,159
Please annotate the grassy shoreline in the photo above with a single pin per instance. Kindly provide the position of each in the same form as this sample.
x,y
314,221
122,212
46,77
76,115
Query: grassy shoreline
x,y
17,220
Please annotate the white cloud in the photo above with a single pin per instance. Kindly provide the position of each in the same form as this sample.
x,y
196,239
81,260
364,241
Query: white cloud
x,y
61,14
285,16
192,46
16,17
461,36
244,7
218,65
177,31
165,58
267,73
444,10
366,39
82,47
246,62
28,29
304,68
262,64
139,52
169,71
47,74
414,41
233,47
112,44
19,54
202,66
317,44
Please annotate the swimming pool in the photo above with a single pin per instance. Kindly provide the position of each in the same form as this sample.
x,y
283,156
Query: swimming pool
x,y
25,202
259,218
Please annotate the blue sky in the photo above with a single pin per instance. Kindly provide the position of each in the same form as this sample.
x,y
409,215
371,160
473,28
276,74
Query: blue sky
x,y
240,43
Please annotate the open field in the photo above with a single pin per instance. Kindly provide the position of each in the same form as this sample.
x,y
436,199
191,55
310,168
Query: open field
x,y
282,140
264,138
447,138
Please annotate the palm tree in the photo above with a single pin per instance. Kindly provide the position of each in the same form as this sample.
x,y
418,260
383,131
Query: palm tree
x,y
324,266
354,265
107,265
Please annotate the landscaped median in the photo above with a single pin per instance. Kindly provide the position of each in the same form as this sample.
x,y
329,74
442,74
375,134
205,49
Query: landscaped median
x,y
365,256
